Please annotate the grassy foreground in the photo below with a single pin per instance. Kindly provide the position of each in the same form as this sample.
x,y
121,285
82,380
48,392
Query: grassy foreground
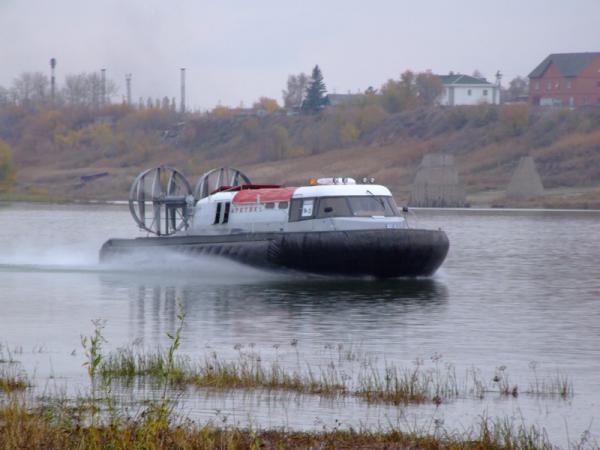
x,y
100,420
66,427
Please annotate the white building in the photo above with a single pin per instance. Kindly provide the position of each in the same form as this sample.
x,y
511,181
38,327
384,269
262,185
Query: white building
x,y
467,90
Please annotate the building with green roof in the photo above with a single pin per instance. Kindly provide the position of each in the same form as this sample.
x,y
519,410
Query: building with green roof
x,y
460,89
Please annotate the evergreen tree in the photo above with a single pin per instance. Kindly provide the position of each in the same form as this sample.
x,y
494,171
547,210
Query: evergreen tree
x,y
316,97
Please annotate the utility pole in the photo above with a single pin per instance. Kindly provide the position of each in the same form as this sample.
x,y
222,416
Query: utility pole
x,y
498,89
52,79
182,90
102,87
128,86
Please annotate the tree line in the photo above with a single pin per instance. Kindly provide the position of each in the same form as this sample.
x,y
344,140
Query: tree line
x,y
303,93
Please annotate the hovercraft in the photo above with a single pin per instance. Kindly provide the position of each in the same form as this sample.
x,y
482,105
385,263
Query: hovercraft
x,y
332,226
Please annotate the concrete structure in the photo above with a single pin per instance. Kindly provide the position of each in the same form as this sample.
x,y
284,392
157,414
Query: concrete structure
x,y
437,183
466,90
566,79
525,182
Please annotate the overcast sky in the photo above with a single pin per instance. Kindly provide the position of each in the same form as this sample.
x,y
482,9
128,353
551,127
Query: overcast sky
x,y
236,51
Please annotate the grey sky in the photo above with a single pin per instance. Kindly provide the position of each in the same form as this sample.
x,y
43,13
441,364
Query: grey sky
x,y
239,50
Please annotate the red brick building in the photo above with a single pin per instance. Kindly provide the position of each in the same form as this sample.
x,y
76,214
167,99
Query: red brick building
x,y
566,79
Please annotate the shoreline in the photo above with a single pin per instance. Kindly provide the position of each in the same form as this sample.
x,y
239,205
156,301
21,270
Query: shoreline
x,y
476,208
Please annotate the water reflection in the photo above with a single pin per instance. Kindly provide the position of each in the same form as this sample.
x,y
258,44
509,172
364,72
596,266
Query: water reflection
x,y
271,311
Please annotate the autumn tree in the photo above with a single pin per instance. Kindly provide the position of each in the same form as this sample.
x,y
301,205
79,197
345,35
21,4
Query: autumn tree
x,y
410,91
278,142
400,95
293,96
316,97
429,88
268,104
7,173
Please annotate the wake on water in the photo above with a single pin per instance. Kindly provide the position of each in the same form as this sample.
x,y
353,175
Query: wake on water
x,y
61,259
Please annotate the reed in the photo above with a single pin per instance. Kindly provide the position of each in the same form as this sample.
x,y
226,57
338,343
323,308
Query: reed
x,y
390,384
12,379
559,385
248,372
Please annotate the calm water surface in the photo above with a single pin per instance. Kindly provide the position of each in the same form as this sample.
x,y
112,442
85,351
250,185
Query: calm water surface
x,y
519,289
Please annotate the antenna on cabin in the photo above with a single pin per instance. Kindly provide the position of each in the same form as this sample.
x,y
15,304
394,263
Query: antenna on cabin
x,y
52,79
128,87
183,89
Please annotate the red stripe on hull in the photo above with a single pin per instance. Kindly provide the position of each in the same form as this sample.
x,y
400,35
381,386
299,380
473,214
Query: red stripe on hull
x,y
264,195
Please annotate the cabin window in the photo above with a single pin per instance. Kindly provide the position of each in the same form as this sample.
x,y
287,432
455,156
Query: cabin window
x,y
373,206
217,214
283,205
356,206
333,207
569,84
269,205
468,91
301,209
226,213
485,92
549,85
537,85
308,207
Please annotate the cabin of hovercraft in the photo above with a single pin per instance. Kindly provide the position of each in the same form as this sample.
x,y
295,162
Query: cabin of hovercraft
x,y
325,205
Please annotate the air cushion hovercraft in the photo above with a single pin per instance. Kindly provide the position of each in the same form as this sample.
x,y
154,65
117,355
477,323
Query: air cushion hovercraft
x,y
333,226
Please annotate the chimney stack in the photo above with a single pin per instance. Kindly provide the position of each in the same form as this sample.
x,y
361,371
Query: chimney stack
x,y
182,89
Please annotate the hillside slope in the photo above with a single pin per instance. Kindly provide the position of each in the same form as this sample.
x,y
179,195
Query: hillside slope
x,y
54,148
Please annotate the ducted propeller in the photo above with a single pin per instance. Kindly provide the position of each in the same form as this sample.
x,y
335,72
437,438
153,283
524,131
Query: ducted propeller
x,y
216,179
159,200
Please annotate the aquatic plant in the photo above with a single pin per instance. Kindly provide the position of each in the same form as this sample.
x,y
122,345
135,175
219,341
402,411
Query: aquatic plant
x,y
13,379
558,385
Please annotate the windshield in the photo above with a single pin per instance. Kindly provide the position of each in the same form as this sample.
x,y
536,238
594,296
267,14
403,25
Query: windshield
x,y
373,206
356,206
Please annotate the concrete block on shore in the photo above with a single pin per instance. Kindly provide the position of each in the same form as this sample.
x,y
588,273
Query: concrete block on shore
x,y
525,182
437,183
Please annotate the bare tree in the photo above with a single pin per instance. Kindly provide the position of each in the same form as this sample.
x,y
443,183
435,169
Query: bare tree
x,y
86,89
518,87
478,74
30,87
296,90
4,96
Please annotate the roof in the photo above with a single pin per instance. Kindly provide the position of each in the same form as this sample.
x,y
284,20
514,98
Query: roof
x,y
568,64
341,190
463,79
264,195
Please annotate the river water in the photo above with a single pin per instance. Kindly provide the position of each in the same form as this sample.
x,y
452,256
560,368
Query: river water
x,y
519,295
